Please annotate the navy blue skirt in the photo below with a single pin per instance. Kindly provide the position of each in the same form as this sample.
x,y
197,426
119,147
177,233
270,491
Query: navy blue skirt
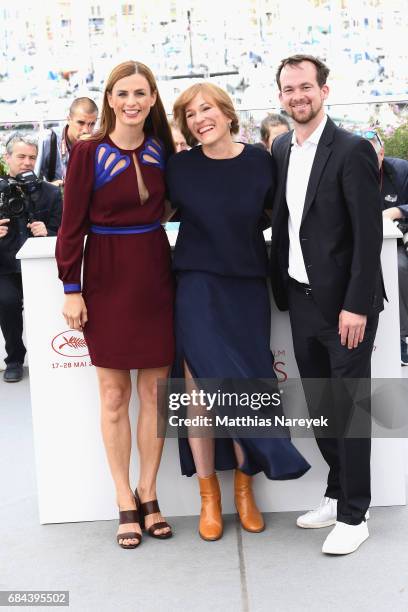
x,y
222,329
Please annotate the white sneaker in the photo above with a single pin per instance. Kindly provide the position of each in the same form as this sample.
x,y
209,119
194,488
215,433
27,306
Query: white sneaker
x,y
323,516
345,539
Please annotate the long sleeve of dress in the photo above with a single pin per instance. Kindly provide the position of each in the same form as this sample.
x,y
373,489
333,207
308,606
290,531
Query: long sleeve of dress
x,y
75,217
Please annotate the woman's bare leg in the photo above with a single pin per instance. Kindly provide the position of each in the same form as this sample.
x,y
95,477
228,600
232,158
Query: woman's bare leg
x,y
203,449
149,445
115,391
239,454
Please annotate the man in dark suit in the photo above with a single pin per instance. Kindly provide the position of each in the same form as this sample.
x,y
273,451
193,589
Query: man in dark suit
x,y
394,195
325,268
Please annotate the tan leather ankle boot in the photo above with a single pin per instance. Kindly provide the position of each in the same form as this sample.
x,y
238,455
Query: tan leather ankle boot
x,y
210,526
250,517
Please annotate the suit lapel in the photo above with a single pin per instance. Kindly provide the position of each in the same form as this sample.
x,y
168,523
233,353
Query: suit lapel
x,y
288,146
283,170
323,153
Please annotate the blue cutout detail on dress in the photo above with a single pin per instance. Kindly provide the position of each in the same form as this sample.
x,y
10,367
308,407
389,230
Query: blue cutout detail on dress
x,y
104,172
153,148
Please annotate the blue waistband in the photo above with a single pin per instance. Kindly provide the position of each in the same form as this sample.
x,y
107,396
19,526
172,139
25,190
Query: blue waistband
x,y
130,229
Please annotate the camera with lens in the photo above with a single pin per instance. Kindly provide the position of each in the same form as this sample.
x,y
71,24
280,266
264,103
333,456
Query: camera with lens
x,y
15,194
403,228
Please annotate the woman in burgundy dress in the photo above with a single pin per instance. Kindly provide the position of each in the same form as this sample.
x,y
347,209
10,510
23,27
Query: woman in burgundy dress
x,y
115,193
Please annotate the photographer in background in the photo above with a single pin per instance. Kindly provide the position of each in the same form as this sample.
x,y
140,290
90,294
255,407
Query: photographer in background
x,y
394,191
28,207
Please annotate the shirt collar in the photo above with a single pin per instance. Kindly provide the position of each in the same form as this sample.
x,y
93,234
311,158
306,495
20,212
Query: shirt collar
x,y
314,136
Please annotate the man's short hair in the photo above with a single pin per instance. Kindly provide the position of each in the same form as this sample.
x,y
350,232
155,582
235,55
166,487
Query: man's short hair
x,y
27,139
271,120
87,105
322,71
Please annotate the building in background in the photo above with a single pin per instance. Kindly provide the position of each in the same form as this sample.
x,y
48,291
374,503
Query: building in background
x,y
58,49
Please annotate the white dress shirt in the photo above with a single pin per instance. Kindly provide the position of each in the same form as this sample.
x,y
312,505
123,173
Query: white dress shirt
x,y
300,165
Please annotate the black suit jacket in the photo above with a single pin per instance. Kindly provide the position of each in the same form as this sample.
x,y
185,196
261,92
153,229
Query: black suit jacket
x,y
341,230
395,182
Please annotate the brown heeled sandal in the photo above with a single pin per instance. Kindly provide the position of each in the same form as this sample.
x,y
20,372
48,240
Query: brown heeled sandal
x,y
151,507
125,517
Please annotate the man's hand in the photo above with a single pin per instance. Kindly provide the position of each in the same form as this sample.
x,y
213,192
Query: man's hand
x,y
74,311
351,328
37,228
392,213
3,227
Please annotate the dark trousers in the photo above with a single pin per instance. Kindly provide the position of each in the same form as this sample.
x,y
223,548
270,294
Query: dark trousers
x,y
320,355
11,316
403,290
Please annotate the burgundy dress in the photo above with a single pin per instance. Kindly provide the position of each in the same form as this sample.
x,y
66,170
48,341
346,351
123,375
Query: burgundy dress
x,y
127,279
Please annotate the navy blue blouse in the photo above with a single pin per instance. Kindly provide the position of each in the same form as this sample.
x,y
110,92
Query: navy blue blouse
x,y
221,204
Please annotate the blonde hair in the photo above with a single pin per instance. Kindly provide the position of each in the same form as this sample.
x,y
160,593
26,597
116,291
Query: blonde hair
x,y
156,123
208,90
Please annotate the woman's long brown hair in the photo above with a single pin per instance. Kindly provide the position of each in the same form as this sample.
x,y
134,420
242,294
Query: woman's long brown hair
x,y
156,123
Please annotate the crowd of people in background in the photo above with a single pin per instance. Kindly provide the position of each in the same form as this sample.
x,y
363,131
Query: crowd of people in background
x,y
324,269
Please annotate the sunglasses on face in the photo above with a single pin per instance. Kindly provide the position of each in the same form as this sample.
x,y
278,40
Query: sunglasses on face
x,y
369,135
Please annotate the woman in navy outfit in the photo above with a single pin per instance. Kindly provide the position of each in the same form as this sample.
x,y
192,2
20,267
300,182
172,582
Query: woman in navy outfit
x,y
115,193
222,316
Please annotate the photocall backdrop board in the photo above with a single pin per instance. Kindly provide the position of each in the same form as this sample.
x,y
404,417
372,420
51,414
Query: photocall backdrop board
x,y
73,478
